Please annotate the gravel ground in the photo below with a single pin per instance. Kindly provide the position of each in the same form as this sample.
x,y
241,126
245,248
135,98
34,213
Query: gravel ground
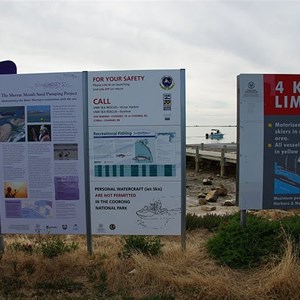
x,y
195,187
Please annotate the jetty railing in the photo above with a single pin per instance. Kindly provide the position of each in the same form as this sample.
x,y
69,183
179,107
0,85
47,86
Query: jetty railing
x,y
220,154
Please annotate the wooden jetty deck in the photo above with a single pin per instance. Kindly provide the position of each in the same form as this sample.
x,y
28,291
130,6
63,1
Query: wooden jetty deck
x,y
224,153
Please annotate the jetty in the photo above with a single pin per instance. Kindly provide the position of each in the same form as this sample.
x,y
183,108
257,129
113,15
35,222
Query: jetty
x,y
225,154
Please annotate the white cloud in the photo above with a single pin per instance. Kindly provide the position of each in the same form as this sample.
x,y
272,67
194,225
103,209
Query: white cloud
x,y
213,40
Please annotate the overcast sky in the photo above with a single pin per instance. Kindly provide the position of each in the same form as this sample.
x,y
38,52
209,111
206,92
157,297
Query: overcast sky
x,y
213,40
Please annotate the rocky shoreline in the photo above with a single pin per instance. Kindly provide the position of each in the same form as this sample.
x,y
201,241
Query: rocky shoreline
x,y
196,189
207,192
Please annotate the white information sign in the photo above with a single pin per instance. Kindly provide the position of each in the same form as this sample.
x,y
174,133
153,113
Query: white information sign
x,y
135,147
41,154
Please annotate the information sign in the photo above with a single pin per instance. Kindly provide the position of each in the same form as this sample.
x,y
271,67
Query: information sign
x,y
41,154
105,147
269,144
135,134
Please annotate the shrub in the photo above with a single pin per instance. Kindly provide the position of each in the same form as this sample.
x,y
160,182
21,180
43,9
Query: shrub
x,y
54,245
49,246
19,247
246,247
291,226
208,221
138,243
10,286
64,284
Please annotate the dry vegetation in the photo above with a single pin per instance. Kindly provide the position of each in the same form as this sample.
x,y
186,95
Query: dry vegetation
x,y
174,274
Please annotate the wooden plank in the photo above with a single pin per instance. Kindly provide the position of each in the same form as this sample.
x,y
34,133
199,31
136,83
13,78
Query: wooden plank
x,y
229,157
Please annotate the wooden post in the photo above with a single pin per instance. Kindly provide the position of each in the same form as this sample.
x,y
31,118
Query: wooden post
x,y
223,151
197,160
202,146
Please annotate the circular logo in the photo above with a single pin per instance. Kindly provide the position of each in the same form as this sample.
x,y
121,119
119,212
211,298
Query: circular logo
x,y
167,82
112,226
251,85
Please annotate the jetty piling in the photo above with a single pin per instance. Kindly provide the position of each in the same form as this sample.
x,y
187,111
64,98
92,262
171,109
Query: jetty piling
x,y
218,153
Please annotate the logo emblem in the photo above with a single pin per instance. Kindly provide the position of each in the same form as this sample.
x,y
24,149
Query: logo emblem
x,y
112,226
251,85
167,82
64,227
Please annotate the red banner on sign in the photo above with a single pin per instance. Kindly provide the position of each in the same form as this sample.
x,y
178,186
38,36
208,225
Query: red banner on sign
x,y
282,94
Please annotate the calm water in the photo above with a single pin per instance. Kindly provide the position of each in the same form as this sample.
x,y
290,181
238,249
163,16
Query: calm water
x,y
196,135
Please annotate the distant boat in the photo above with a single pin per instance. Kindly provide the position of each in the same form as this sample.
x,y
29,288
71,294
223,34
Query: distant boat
x,y
214,134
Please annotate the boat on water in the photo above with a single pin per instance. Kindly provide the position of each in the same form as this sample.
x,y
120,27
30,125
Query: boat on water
x,y
214,134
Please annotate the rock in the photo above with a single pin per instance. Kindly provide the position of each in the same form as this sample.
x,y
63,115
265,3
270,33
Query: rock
x,y
207,182
208,208
212,196
229,203
222,190
202,201
201,195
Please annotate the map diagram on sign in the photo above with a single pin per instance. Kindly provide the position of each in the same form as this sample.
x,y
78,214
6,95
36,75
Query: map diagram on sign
x,y
137,153
143,152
